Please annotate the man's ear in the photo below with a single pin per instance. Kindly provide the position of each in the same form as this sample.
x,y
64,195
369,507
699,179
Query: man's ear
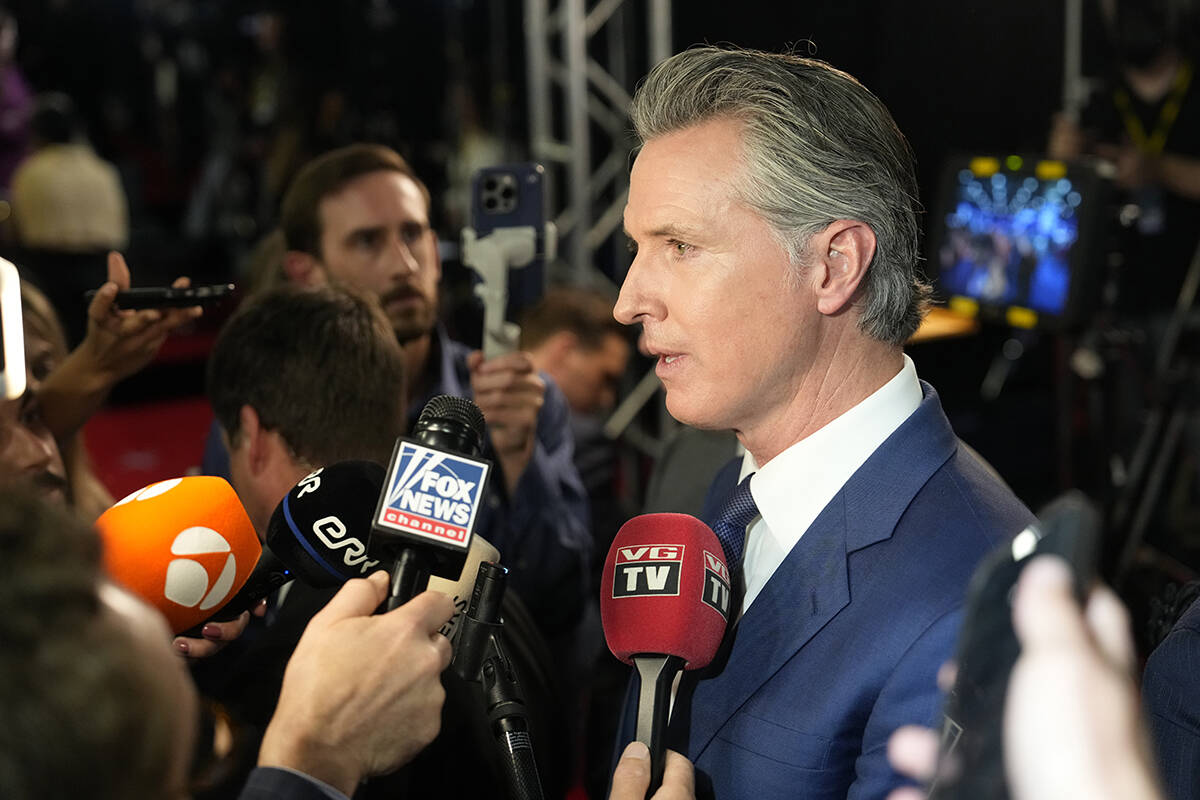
x,y
841,255
558,346
249,438
303,269
437,254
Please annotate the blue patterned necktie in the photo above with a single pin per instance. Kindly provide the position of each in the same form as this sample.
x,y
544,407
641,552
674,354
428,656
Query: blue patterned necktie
x,y
731,520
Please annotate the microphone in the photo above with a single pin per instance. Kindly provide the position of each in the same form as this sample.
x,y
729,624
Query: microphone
x,y
435,484
664,605
183,545
322,526
322,531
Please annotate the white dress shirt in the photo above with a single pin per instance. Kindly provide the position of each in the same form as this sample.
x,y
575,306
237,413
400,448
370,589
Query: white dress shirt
x,y
796,485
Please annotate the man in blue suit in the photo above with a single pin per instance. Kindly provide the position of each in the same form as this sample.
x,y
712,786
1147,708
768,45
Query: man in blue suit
x,y
774,213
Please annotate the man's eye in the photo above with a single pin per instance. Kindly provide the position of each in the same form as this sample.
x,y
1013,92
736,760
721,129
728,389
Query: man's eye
x,y
680,248
369,239
413,232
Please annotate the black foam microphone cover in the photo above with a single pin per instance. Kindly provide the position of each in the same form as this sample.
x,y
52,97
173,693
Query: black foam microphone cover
x,y
322,527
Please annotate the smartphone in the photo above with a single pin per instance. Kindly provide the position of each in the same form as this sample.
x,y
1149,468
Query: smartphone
x,y
514,196
971,760
12,333
169,296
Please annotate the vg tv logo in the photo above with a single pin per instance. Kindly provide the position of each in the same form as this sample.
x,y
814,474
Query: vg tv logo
x,y
432,494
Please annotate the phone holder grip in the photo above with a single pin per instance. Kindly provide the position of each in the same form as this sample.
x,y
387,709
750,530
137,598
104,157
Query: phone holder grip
x,y
491,257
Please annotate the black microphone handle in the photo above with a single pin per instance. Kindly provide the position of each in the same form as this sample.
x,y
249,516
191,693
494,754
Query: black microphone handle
x,y
268,575
410,576
520,766
480,657
657,673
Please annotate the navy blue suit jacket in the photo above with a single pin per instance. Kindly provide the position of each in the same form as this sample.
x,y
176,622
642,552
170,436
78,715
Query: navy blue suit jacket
x,y
266,783
844,642
1171,696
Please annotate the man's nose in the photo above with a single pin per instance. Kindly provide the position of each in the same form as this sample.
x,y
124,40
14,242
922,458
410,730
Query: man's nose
x,y
638,299
402,257
35,448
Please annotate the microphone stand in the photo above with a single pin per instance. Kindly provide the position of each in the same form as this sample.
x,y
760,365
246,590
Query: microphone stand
x,y
480,657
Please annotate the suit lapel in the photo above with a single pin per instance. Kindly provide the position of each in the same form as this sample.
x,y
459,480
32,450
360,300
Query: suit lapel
x,y
811,586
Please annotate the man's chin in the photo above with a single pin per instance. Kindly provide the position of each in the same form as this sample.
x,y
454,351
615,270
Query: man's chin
x,y
409,328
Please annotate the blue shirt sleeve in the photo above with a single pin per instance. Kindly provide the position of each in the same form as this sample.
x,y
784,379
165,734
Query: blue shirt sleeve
x,y
542,531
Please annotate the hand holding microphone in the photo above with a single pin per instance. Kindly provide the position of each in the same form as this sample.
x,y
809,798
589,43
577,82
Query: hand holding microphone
x,y
631,778
664,605
362,694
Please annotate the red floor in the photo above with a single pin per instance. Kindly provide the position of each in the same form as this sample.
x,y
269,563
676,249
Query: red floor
x,y
134,445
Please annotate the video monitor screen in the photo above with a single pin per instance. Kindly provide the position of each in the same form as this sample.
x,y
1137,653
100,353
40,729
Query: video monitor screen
x,y
1012,234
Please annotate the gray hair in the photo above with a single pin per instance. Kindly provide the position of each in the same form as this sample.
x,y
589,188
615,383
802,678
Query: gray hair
x,y
818,147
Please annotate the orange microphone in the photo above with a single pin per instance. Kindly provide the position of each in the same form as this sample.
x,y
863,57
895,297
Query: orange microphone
x,y
183,545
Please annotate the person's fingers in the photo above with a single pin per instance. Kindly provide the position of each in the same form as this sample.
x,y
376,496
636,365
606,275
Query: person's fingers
x,y
178,316
507,381
118,270
1045,613
499,391
631,778
102,302
1109,623
947,675
430,610
912,750
679,775
358,597
197,648
226,631
146,317
906,793
260,610
517,362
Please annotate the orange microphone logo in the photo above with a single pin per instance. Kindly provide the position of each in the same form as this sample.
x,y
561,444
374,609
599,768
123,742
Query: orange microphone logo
x,y
188,580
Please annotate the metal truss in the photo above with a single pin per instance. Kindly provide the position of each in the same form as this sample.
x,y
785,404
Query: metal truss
x,y
582,63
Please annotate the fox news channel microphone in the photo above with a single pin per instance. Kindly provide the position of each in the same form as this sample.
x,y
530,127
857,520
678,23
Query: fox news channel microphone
x,y
185,546
435,484
322,531
664,605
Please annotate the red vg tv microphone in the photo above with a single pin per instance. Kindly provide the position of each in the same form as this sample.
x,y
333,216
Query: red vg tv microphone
x,y
664,605
183,545
435,484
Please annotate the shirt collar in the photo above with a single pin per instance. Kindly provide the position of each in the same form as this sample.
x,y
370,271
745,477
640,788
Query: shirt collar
x,y
793,488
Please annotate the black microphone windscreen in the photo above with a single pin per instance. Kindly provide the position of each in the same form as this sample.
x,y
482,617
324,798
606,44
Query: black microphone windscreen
x,y
451,423
322,527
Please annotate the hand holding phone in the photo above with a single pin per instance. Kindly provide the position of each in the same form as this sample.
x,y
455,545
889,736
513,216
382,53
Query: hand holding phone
x,y
508,244
120,341
971,762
